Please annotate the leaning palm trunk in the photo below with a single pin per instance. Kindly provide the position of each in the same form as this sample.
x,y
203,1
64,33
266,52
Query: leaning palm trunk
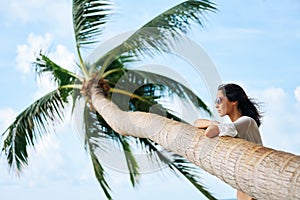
x,y
261,172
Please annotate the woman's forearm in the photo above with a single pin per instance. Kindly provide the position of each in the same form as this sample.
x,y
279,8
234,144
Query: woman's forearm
x,y
204,123
212,131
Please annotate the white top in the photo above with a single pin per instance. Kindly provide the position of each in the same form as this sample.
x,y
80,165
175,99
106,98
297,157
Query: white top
x,y
244,127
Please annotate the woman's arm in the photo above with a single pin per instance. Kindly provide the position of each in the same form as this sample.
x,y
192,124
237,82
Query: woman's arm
x,y
212,131
211,127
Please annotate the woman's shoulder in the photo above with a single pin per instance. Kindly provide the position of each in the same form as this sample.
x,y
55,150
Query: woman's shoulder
x,y
245,119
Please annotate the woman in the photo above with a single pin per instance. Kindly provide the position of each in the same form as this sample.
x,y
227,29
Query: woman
x,y
245,118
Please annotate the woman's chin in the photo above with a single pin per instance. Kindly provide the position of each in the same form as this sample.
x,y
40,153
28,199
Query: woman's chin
x,y
221,115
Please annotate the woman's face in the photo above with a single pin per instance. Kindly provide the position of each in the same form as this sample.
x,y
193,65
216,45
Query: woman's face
x,y
223,105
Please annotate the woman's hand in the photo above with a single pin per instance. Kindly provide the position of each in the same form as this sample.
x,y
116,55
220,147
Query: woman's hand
x,y
202,123
211,127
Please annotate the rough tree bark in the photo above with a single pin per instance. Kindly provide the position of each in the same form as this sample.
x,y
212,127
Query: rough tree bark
x,y
260,172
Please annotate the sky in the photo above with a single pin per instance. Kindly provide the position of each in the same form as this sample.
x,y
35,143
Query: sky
x,y
256,45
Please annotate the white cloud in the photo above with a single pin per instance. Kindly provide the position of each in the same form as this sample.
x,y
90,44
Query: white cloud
x,y
45,165
63,57
275,98
26,52
7,115
280,128
297,93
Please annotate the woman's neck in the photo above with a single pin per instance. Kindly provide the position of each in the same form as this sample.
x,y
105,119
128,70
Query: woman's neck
x,y
235,115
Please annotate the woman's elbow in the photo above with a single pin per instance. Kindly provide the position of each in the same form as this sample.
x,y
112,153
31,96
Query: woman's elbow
x,y
209,134
211,131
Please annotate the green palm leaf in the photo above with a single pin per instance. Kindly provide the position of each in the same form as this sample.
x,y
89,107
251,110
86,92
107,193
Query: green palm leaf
x,y
95,136
167,86
35,121
89,16
147,84
131,162
62,77
100,175
178,165
191,172
156,34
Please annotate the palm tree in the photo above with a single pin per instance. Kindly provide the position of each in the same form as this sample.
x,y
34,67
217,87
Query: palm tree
x,y
89,18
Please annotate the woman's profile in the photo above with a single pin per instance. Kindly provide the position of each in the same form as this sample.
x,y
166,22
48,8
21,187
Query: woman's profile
x,y
245,118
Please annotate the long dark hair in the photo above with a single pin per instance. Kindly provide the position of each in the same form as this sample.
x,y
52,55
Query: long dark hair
x,y
246,105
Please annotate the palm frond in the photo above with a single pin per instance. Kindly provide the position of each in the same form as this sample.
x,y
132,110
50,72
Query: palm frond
x,y
94,141
131,162
89,17
30,125
94,133
155,36
170,86
178,164
44,65
100,175
97,133
148,84
178,19
191,172
76,95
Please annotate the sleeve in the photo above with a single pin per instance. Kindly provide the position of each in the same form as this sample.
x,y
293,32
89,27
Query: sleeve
x,y
227,129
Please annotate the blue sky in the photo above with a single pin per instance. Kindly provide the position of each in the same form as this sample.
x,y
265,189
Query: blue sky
x,y
256,45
